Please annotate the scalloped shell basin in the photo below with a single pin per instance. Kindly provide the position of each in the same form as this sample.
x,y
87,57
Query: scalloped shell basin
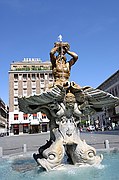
x,y
25,168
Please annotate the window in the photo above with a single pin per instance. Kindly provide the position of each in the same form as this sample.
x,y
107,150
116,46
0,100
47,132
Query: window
x,y
42,84
15,76
15,84
42,76
25,77
15,107
33,84
15,100
24,84
33,92
44,116
46,76
24,92
50,76
50,81
14,67
20,76
34,116
25,128
15,116
25,116
33,77
16,129
16,92
41,90
113,92
116,91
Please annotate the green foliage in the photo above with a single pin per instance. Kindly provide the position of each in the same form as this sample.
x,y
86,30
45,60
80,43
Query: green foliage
x,y
83,122
34,68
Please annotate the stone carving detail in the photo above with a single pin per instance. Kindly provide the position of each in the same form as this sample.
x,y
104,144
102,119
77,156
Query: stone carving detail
x,y
64,104
83,154
52,156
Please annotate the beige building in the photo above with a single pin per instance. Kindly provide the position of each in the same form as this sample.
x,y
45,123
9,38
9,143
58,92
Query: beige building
x,y
110,117
27,78
3,118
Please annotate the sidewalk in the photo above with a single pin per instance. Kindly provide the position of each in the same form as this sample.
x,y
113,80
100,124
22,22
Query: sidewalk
x,y
16,144
97,139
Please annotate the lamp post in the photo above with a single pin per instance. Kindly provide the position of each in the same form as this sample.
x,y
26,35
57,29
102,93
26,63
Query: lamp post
x,y
40,123
110,125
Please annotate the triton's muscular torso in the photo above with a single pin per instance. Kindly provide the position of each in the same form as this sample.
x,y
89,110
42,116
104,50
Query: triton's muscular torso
x,y
61,71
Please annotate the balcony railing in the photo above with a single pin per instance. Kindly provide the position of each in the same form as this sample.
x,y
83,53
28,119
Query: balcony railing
x,y
32,68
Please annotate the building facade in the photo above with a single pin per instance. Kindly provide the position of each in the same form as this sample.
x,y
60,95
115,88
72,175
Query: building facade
x,y
27,78
4,125
110,116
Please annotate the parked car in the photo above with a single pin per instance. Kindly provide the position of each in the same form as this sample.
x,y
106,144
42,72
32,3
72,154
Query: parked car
x,y
1,134
91,128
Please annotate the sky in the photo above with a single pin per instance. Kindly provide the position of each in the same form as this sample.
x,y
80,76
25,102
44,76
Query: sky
x,y
29,28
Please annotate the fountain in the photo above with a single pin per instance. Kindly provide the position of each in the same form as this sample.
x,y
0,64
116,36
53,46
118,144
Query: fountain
x,y
24,167
65,103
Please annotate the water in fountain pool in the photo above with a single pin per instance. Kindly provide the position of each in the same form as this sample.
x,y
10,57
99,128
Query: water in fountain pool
x,y
25,168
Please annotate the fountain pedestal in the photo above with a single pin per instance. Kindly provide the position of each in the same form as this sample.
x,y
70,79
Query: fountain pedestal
x,y
65,104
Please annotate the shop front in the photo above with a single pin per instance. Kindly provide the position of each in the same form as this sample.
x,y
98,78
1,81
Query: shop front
x,y
15,129
44,127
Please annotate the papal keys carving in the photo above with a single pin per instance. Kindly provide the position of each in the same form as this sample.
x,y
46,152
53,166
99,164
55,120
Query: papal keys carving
x,y
64,104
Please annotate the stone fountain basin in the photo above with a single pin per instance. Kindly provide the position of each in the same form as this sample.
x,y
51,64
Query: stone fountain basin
x,y
24,167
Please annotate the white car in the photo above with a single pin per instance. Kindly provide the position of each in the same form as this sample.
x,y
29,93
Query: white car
x,y
91,128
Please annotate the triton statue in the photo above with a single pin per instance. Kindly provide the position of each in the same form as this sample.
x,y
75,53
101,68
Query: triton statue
x,y
64,104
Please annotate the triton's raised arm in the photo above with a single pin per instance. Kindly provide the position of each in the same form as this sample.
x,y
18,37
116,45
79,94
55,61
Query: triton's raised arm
x,y
52,52
74,57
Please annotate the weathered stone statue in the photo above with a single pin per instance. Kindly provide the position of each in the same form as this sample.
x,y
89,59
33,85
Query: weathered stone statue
x,y
60,67
64,104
